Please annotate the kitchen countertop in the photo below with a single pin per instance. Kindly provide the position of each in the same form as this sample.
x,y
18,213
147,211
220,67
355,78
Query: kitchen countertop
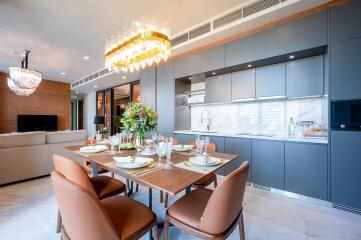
x,y
274,138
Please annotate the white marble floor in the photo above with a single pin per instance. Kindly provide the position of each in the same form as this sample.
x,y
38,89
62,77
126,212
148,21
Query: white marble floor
x,y
28,211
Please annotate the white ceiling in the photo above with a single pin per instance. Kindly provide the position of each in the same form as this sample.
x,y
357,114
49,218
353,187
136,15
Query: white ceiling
x,y
60,32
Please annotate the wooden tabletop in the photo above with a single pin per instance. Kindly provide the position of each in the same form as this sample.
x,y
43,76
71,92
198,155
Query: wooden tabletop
x,y
172,180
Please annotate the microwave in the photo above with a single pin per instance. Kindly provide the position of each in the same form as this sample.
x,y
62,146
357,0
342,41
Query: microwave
x,y
346,115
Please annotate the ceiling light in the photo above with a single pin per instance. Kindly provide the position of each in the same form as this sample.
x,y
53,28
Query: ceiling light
x,y
22,80
144,44
76,92
63,73
214,73
249,65
95,86
31,41
291,57
86,58
124,77
190,78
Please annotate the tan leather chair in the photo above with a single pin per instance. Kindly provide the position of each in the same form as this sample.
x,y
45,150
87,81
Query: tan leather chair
x,y
211,214
87,217
102,186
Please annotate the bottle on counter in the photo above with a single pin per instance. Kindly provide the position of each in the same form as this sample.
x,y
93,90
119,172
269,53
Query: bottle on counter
x,y
291,128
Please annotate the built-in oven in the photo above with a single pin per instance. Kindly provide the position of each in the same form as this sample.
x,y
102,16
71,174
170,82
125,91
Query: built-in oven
x,y
346,115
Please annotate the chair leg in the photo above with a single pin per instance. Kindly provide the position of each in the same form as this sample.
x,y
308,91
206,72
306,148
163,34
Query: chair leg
x,y
166,229
215,182
59,223
137,187
112,174
161,196
155,232
166,200
241,228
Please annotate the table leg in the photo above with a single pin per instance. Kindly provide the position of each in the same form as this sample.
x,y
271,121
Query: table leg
x,y
150,205
130,188
95,169
188,189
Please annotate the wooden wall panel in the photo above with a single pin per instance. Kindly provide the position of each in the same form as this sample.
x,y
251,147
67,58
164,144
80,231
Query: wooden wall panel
x,y
51,98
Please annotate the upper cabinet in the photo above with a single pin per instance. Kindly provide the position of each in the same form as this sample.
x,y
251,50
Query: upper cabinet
x,y
271,80
305,77
200,62
218,89
345,21
244,84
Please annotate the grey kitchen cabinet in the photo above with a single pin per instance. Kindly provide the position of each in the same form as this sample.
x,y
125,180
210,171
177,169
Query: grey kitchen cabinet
x,y
344,19
165,107
304,33
306,169
346,168
304,77
240,147
271,80
244,84
218,89
200,62
346,69
184,138
147,94
268,163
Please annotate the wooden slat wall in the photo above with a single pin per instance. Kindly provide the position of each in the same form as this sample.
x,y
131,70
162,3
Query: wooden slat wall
x,y
51,98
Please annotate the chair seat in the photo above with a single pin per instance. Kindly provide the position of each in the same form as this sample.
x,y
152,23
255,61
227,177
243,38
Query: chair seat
x,y
106,186
129,217
89,169
189,208
205,181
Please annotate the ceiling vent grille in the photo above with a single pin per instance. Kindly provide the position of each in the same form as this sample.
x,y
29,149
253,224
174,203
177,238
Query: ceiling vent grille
x,y
200,30
233,16
259,6
90,77
180,39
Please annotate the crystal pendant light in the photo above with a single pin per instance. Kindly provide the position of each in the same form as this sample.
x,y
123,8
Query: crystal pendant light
x,y
23,81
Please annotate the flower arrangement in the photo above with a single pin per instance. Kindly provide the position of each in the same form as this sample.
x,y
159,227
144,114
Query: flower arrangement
x,y
139,118
104,132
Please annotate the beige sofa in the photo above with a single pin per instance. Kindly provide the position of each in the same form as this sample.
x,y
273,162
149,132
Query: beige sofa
x,y
29,155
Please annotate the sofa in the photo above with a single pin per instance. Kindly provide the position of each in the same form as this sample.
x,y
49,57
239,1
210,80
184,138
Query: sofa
x,y
29,155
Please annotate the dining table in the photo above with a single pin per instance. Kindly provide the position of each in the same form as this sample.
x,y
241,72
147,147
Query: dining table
x,y
174,180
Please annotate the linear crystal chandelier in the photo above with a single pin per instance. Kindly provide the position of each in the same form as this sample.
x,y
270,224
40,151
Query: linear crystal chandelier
x,y
23,81
147,42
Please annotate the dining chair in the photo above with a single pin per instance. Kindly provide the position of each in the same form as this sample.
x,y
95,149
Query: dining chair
x,y
211,214
201,183
88,217
102,186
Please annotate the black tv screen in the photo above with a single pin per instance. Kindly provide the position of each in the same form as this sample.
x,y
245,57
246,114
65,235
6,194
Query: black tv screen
x,y
29,123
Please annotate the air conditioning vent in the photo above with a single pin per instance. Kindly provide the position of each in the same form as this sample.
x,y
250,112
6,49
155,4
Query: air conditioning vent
x,y
259,6
180,39
200,31
227,18
90,77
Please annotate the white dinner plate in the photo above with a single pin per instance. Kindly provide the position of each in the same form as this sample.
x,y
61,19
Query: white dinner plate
x,y
199,161
93,149
148,153
127,163
182,148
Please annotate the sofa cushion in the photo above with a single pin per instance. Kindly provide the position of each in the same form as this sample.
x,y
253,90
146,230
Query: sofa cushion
x,y
66,136
22,139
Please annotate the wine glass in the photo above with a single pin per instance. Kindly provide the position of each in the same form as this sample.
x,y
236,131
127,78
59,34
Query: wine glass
x,y
98,137
168,152
91,138
114,141
206,143
160,152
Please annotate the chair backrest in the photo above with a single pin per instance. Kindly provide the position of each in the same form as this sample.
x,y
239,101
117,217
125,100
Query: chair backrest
x,y
212,147
72,171
175,141
82,213
225,203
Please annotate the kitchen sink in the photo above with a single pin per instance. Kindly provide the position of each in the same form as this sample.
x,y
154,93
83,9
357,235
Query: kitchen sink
x,y
202,131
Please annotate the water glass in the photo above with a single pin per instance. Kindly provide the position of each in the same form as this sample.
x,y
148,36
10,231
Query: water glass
x,y
199,145
160,147
206,143
98,137
168,153
91,138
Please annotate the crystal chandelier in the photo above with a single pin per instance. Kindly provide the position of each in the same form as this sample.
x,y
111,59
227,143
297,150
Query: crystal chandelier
x,y
23,81
143,45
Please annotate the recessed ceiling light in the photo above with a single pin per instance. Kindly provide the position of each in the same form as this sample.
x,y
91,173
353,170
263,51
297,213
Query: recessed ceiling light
x,y
249,65
214,73
95,86
124,77
292,57
63,73
86,58
31,41
76,92
190,78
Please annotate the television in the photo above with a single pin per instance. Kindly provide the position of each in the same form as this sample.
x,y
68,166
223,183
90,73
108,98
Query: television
x,y
29,123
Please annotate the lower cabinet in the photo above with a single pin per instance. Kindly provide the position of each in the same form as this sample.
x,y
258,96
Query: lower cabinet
x,y
184,138
268,163
240,147
306,169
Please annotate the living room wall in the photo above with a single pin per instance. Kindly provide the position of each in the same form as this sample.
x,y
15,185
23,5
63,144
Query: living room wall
x,y
51,98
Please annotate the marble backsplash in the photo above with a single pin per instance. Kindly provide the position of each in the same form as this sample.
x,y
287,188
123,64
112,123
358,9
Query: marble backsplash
x,y
266,117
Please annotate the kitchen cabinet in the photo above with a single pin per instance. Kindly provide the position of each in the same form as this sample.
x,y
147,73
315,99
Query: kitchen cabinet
x,y
240,147
184,138
165,107
218,89
199,62
271,80
346,70
346,168
268,163
306,169
304,77
244,84
342,18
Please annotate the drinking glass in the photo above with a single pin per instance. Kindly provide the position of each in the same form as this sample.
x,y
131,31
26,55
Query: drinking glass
x,y
138,143
113,142
206,143
91,138
168,153
160,152
199,145
98,137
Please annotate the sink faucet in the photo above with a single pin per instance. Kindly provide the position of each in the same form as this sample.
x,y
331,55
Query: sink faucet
x,y
207,118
